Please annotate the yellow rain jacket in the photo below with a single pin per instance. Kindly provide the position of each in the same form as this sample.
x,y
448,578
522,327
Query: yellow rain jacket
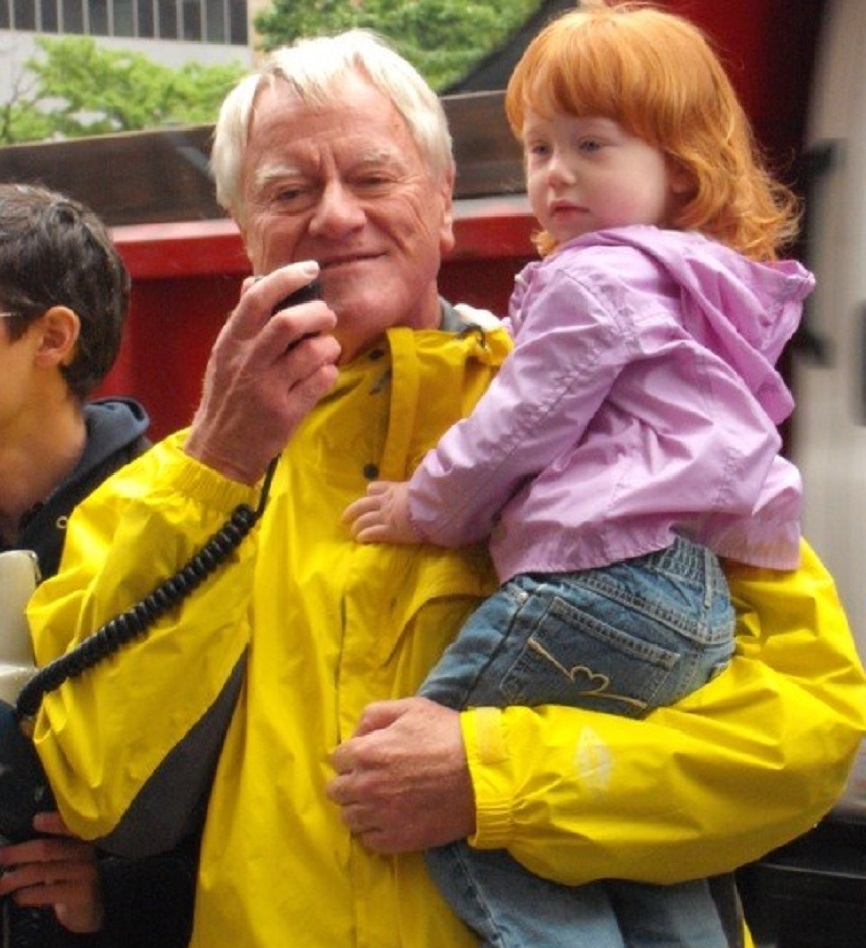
x,y
319,626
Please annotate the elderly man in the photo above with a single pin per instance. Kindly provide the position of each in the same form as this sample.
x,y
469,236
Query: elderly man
x,y
335,160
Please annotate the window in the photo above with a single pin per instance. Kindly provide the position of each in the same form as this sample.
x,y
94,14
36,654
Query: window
x,y
238,21
98,16
124,18
48,14
145,23
191,15
25,14
197,21
72,16
215,22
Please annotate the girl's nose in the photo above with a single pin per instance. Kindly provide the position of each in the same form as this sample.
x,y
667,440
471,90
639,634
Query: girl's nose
x,y
559,170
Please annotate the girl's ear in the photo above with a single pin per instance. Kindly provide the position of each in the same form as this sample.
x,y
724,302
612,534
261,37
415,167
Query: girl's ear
x,y
59,328
682,180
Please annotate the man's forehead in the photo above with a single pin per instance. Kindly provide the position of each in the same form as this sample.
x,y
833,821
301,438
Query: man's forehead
x,y
289,138
354,93
357,131
310,161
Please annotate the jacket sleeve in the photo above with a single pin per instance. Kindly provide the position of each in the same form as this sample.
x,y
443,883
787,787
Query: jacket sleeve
x,y
142,526
539,404
743,765
149,901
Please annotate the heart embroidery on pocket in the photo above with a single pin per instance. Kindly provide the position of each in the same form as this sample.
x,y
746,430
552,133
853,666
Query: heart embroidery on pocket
x,y
587,681
582,677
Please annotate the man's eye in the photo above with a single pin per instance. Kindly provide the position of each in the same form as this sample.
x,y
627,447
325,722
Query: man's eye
x,y
373,182
293,198
288,194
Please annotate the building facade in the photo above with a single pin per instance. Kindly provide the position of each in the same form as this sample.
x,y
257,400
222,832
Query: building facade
x,y
171,32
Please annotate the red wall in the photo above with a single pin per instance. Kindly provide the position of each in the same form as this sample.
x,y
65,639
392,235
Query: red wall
x,y
186,276
768,48
186,279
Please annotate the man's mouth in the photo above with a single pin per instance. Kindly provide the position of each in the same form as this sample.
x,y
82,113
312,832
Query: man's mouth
x,y
335,263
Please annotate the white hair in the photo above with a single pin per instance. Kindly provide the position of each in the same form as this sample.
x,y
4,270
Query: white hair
x,y
315,70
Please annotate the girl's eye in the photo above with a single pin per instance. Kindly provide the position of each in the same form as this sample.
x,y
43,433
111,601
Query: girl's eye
x,y
590,144
537,148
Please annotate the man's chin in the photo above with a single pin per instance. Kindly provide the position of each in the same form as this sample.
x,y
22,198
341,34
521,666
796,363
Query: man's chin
x,y
353,270
361,323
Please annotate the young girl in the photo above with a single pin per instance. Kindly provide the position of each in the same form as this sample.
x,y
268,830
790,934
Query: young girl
x,y
630,439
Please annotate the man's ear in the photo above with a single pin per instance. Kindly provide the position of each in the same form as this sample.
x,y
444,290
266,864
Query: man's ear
x,y
59,328
446,229
241,223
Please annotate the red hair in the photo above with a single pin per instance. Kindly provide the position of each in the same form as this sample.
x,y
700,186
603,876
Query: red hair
x,y
657,75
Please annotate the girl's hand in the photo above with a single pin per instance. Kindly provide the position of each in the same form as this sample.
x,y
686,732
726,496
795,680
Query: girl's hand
x,y
382,515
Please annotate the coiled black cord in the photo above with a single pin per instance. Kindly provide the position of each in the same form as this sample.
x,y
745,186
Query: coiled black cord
x,y
133,623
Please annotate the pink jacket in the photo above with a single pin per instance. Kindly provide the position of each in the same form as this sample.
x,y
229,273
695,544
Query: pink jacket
x,y
641,401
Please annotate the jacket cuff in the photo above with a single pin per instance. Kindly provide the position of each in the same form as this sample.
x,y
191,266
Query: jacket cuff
x,y
491,774
200,482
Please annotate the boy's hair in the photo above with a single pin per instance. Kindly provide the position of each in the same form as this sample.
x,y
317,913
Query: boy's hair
x,y
656,74
315,70
54,251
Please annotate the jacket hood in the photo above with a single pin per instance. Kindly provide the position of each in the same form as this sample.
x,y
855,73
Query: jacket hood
x,y
115,435
112,424
742,309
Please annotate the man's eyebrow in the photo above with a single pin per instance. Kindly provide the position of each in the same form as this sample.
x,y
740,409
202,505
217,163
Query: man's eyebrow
x,y
269,173
380,157
374,157
379,153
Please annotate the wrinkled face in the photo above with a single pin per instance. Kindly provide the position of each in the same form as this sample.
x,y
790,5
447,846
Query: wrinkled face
x,y
587,173
346,185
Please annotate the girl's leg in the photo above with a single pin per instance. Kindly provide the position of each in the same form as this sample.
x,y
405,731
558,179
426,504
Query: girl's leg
x,y
509,907
623,640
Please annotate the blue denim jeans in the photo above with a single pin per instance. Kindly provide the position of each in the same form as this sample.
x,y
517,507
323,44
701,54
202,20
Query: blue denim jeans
x,y
623,639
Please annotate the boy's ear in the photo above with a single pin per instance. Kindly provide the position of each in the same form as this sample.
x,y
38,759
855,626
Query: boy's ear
x,y
59,327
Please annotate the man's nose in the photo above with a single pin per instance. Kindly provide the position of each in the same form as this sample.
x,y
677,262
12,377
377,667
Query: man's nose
x,y
338,212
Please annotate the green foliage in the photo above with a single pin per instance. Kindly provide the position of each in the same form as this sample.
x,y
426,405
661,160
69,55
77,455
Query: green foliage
x,y
78,88
72,87
443,39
